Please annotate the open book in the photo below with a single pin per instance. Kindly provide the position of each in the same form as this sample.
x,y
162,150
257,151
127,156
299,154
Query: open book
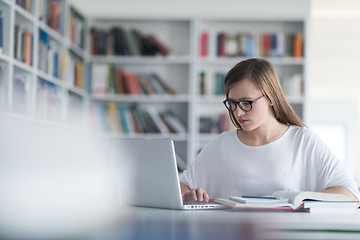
x,y
290,200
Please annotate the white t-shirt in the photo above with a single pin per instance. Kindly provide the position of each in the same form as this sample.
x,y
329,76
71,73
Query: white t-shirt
x,y
297,161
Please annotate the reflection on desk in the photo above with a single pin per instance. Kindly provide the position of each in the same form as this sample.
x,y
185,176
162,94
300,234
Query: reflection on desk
x,y
150,223
140,223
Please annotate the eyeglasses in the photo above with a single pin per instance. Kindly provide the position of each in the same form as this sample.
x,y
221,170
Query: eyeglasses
x,y
244,105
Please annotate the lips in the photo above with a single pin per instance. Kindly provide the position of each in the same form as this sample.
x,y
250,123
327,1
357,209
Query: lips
x,y
242,121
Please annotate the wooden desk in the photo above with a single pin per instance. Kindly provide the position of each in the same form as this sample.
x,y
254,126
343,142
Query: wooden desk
x,y
150,223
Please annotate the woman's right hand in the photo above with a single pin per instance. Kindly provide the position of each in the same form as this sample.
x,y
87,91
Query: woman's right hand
x,y
197,194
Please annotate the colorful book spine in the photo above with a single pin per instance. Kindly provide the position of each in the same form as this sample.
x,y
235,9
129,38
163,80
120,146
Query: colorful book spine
x,y
203,44
52,13
279,45
112,79
129,119
298,45
126,42
77,28
23,44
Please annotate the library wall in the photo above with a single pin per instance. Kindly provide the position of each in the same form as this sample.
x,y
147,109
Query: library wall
x,y
334,38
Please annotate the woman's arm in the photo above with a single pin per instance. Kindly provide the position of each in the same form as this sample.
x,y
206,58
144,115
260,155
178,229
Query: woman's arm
x,y
341,190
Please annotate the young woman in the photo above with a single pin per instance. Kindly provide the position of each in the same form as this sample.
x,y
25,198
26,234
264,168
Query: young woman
x,y
270,150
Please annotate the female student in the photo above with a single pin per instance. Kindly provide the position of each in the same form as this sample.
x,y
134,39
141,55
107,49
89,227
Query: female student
x,y
270,150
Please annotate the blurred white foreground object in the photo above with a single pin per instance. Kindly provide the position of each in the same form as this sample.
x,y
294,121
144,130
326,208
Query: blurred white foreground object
x,y
55,182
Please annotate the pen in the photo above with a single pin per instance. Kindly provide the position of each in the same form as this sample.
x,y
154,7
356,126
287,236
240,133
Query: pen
x,y
261,197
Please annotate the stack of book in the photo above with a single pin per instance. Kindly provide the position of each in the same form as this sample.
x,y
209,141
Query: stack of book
x,y
294,201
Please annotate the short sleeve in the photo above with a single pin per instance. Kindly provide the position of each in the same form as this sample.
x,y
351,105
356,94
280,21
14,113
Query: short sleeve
x,y
327,169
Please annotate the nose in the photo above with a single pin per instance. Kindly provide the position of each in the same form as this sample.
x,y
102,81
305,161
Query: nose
x,y
238,111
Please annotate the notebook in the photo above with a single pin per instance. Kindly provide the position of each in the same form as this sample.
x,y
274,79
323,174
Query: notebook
x,y
153,177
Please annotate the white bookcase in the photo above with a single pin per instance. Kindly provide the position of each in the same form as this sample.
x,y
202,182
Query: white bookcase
x,y
36,91
176,69
36,65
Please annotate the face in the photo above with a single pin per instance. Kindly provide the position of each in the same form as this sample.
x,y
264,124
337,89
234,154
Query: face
x,y
260,112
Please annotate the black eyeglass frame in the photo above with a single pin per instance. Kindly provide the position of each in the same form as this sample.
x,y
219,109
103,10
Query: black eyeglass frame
x,y
239,103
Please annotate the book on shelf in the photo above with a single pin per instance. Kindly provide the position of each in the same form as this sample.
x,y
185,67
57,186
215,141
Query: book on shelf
x,y
164,85
214,124
23,44
112,79
160,125
120,41
202,84
132,84
288,200
174,123
77,28
211,83
99,73
231,48
131,118
51,56
221,41
250,44
130,42
52,13
115,122
298,45
126,119
157,44
120,46
79,73
25,4
203,44
145,84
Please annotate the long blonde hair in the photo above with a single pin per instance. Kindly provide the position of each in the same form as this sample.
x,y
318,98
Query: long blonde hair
x,y
263,74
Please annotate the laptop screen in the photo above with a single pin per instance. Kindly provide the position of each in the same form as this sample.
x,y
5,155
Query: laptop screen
x,y
153,177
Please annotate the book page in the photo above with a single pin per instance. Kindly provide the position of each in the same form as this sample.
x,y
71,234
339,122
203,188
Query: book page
x,y
289,195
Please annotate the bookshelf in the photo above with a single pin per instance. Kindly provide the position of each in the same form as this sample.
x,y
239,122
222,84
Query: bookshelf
x,y
73,73
42,71
195,68
119,68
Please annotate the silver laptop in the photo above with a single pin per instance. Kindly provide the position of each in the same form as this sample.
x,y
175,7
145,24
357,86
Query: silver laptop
x,y
153,176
